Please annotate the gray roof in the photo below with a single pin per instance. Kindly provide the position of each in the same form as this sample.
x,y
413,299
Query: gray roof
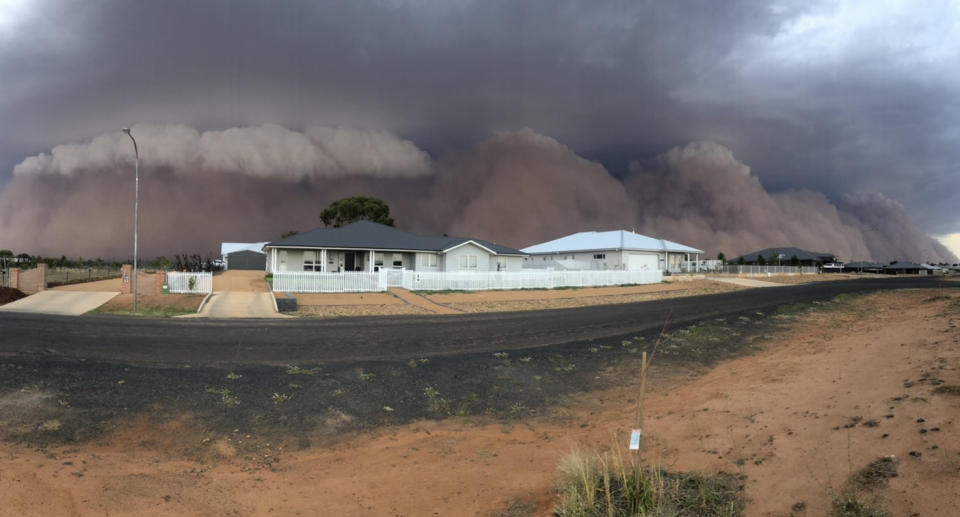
x,y
370,235
612,240
786,253
863,265
908,265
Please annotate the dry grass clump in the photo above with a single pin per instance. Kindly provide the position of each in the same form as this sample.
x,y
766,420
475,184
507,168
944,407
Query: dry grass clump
x,y
861,497
604,485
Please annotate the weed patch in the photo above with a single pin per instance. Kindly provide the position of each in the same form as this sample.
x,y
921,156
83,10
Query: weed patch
x,y
947,389
860,496
601,485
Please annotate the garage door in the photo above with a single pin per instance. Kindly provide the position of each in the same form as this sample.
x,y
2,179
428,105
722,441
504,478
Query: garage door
x,y
250,260
643,261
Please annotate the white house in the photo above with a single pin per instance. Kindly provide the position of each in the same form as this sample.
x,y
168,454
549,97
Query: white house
x,y
617,250
368,246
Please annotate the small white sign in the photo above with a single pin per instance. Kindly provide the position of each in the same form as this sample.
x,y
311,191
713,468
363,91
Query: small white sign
x,y
635,439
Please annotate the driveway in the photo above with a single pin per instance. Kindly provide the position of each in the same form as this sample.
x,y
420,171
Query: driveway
x,y
70,303
240,280
745,282
236,304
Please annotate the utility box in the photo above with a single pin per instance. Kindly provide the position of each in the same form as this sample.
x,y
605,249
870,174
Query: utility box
x,y
286,303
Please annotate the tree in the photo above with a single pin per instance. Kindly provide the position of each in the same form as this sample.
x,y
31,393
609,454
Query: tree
x,y
761,261
6,253
794,260
722,258
352,209
291,233
741,261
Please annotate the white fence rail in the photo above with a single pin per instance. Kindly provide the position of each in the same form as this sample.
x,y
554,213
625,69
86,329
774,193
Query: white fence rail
x,y
308,282
346,282
762,270
180,282
456,281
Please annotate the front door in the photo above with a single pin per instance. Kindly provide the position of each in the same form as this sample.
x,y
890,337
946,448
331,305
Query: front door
x,y
349,261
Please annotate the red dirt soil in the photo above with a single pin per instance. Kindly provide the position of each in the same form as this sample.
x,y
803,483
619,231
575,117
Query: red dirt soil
x,y
777,417
9,294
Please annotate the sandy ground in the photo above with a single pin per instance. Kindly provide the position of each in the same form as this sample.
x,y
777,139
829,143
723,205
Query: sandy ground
x,y
786,418
112,284
497,301
422,302
185,302
365,309
746,282
239,280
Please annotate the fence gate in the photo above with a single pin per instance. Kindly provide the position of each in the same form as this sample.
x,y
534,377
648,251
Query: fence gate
x,y
394,277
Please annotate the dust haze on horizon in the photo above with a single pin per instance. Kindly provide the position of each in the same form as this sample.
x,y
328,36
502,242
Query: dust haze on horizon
x,y
516,188
729,126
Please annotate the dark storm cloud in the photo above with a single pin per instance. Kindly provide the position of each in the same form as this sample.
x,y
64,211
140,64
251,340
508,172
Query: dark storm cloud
x,y
843,99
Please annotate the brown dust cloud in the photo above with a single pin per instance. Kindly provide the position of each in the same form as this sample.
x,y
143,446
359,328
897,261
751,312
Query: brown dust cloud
x,y
200,188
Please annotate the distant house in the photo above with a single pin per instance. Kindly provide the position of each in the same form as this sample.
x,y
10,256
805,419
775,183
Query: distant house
x,y
909,268
617,250
783,256
243,255
863,267
369,246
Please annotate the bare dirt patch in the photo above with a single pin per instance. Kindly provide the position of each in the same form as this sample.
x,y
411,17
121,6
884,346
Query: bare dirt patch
x,y
816,406
534,299
9,294
153,304
239,280
337,299
112,284
340,311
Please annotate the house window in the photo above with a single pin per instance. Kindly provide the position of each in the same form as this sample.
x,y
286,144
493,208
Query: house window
x,y
311,262
378,259
427,259
599,256
501,263
397,260
468,262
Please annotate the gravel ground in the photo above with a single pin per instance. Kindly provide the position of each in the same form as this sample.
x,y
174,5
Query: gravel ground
x,y
575,298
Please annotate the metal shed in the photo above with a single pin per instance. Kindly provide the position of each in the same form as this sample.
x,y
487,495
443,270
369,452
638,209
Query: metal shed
x,y
247,260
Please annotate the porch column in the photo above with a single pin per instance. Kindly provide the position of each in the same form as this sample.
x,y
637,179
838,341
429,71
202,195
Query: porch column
x,y
370,269
698,262
273,260
323,260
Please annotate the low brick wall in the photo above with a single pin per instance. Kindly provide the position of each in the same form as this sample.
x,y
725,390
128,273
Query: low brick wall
x,y
30,281
147,283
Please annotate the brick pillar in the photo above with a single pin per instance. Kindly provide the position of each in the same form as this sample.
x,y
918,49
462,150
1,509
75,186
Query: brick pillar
x,y
42,269
160,279
15,278
126,279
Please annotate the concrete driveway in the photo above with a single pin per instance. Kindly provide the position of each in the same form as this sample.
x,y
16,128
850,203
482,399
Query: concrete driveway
x,y
70,303
238,304
745,282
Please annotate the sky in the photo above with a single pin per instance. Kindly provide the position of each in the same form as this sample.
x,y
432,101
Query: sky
x,y
729,126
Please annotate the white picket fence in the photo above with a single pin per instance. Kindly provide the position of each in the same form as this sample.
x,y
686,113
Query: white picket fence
x,y
762,270
180,282
311,282
346,282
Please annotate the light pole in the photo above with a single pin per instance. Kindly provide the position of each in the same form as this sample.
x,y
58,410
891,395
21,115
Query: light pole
x,y
136,211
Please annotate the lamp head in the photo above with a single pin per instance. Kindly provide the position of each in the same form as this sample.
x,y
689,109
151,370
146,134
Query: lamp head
x,y
126,130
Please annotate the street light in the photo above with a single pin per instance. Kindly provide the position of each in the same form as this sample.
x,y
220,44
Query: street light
x,y
136,211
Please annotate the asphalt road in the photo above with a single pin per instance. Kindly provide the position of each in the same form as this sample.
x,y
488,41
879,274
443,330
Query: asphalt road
x,y
169,342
